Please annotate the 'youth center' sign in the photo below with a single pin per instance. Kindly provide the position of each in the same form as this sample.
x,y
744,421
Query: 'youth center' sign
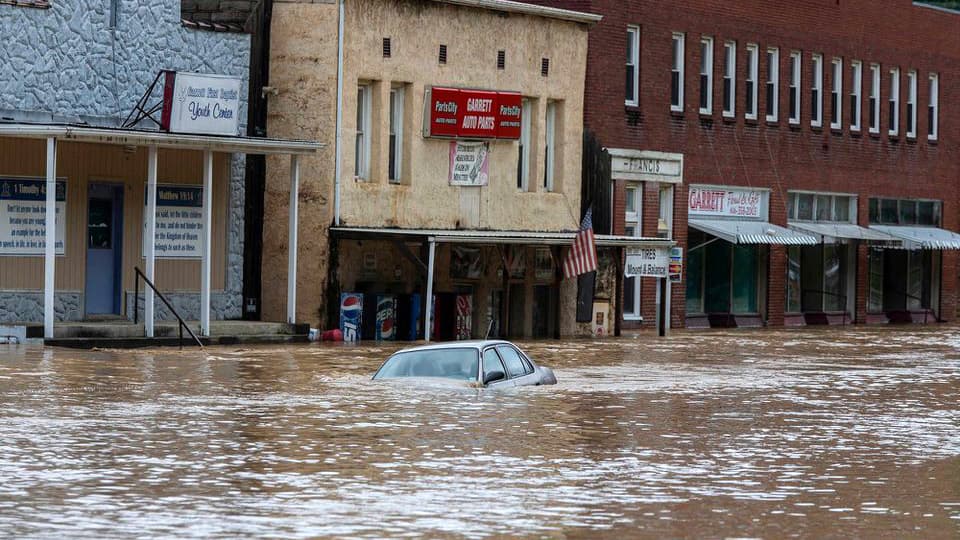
x,y
23,215
179,227
202,104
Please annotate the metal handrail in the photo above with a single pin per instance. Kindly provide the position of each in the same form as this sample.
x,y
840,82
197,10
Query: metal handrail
x,y
136,306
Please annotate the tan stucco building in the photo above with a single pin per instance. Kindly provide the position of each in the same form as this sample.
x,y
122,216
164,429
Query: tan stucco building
x,y
495,229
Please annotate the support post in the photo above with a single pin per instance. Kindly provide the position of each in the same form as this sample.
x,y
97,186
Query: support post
x,y
292,239
205,262
663,315
428,317
49,251
150,237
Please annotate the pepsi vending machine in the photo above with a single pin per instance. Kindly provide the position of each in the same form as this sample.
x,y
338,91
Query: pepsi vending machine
x,y
351,316
386,329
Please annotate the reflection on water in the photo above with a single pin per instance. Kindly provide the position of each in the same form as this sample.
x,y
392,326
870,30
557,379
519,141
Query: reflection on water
x,y
851,432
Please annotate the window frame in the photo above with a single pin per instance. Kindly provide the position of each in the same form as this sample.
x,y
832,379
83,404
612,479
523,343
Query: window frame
x,y
874,99
525,146
912,104
933,107
706,70
752,108
550,150
678,48
836,93
856,95
634,219
361,165
395,131
893,101
633,52
793,206
773,84
816,90
796,77
729,79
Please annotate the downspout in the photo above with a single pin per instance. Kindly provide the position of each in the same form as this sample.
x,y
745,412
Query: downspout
x,y
337,164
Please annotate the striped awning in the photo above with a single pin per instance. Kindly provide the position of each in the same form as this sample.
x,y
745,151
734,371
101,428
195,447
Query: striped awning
x,y
753,232
921,237
831,233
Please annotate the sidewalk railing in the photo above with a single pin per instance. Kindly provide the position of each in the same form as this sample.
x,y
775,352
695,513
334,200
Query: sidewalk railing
x,y
136,306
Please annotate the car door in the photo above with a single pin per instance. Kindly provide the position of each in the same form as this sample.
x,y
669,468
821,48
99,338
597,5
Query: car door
x,y
519,370
493,362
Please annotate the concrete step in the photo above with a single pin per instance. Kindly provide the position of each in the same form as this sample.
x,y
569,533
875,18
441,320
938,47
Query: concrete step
x,y
128,330
142,342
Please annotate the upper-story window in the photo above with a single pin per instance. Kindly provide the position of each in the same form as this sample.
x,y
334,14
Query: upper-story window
x,y
362,145
753,67
905,212
729,78
396,135
816,91
550,149
874,98
795,65
856,102
706,75
773,84
933,108
912,104
633,66
523,157
809,206
836,91
894,102
676,73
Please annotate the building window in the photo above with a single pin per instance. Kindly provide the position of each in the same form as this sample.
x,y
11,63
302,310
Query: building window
x,y
804,206
706,75
795,64
550,146
816,92
905,212
362,147
523,158
665,219
836,91
729,78
676,74
633,63
773,84
933,108
856,103
912,104
396,135
633,194
874,98
753,67
894,103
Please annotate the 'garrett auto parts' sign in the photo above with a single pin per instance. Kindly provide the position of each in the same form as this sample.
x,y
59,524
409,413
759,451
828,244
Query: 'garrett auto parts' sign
x,y
472,114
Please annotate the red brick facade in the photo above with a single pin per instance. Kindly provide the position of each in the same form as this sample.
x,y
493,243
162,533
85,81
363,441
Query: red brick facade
x,y
778,155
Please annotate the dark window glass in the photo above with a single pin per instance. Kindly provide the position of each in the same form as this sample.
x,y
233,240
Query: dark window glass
x,y
771,105
888,211
630,80
874,211
873,113
511,358
100,224
841,209
793,102
893,115
727,96
805,206
491,362
704,89
908,212
926,213
751,106
823,207
814,102
834,107
520,167
853,111
675,88
910,125
931,123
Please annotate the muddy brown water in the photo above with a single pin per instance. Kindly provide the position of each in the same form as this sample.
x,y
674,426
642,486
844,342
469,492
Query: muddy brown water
x,y
827,433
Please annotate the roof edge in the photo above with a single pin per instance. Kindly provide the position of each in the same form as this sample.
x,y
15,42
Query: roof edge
x,y
509,6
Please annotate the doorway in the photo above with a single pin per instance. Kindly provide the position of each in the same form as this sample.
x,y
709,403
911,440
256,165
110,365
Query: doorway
x,y
104,249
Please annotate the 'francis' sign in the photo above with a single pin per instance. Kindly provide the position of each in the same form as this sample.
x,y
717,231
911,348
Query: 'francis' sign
x,y
201,104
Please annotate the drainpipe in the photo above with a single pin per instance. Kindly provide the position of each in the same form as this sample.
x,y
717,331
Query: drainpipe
x,y
337,165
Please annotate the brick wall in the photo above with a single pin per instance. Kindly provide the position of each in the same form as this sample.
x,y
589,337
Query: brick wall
x,y
780,156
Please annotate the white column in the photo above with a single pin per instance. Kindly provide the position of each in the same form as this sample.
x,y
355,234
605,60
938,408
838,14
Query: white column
x,y
428,301
292,242
150,238
205,262
49,251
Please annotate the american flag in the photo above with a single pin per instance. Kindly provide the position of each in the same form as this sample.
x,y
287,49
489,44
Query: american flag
x,y
582,257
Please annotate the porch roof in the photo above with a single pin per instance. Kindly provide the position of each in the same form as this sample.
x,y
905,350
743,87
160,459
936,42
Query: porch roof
x,y
921,237
752,232
456,236
832,232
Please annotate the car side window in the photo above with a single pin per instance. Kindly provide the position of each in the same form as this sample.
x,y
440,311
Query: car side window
x,y
491,362
514,363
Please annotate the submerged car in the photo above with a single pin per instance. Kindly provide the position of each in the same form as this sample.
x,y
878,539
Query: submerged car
x,y
488,363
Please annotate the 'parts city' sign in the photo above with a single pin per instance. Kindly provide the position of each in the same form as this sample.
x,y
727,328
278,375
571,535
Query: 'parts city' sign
x,y
472,114
200,104
727,202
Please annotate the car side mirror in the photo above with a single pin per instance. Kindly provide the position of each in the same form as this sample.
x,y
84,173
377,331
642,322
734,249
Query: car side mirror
x,y
493,376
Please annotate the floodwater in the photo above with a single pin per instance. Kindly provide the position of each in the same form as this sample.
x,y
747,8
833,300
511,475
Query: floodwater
x,y
826,433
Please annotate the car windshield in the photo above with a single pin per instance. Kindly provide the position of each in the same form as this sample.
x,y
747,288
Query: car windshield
x,y
460,364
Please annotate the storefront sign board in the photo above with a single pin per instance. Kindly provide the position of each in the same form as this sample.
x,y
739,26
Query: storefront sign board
x,y
727,202
647,262
472,114
23,213
179,225
646,166
469,163
200,103
676,264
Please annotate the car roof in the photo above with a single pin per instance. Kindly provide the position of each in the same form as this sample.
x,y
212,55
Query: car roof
x,y
474,344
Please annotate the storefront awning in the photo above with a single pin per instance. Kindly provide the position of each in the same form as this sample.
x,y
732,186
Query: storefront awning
x,y
921,237
752,232
447,236
830,233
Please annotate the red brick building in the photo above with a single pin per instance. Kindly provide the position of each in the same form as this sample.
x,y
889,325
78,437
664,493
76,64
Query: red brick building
x,y
817,150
